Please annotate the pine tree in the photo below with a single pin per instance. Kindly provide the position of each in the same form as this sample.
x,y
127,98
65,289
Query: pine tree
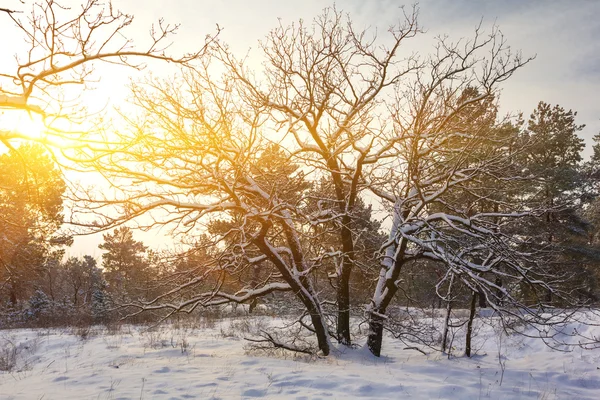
x,y
555,157
100,302
124,264
39,305
31,189
273,171
596,150
556,161
78,279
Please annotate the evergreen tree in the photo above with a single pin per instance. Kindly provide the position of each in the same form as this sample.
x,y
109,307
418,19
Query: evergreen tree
x,y
39,305
31,189
273,171
555,158
79,279
125,266
100,304
555,161
596,149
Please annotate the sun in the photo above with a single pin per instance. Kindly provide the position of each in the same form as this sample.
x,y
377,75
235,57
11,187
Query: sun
x,y
21,124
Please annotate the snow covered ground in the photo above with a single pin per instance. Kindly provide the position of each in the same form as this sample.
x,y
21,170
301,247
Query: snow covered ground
x,y
212,363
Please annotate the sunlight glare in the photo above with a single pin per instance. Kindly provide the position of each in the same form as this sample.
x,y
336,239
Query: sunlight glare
x,y
22,123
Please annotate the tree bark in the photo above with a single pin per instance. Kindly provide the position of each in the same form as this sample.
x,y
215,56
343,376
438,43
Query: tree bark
x,y
482,301
13,296
470,324
499,293
253,284
375,337
343,284
343,300
448,311
301,286
385,292
320,331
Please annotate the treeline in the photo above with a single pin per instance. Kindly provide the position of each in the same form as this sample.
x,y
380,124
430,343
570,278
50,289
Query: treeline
x,y
40,285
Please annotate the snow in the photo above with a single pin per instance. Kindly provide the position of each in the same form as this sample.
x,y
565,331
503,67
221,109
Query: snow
x,y
211,361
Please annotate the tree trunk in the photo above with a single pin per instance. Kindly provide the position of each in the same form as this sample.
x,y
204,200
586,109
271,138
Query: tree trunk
x,y
252,306
343,284
384,293
254,284
446,327
482,301
387,285
301,286
343,317
308,297
499,293
375,337
448,311
320,332
470,324
13,296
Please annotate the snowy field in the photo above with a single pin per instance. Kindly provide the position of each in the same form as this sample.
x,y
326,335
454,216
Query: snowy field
x,y
213,362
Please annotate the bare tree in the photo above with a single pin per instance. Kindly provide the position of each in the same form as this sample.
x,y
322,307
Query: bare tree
x,y
443,188
406,131
191,159
61,48
328,87
323,85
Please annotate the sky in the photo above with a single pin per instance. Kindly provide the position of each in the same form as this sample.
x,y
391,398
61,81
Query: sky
x,y
564,37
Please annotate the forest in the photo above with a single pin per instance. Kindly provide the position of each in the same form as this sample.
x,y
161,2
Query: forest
x,y
340,182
